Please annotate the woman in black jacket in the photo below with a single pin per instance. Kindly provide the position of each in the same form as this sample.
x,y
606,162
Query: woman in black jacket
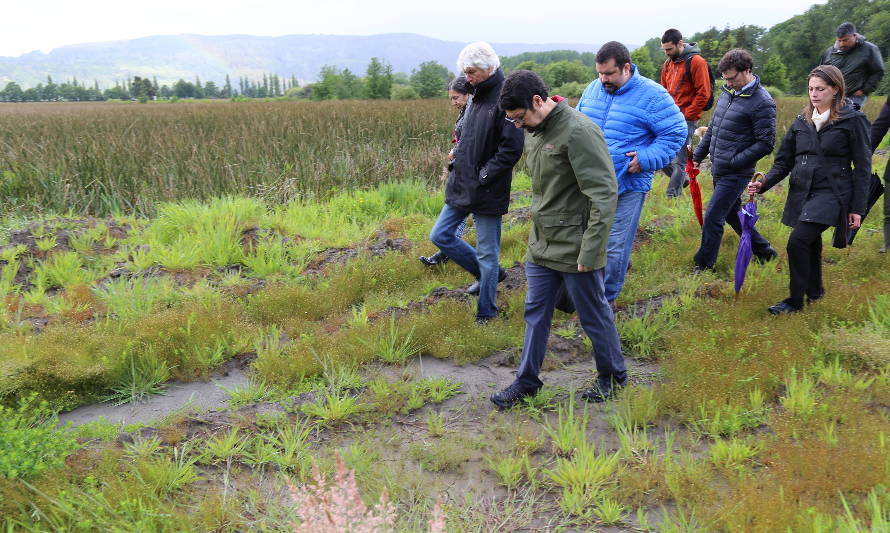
x,y
459,90
823,142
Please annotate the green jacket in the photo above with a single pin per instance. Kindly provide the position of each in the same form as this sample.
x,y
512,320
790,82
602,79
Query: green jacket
x,y
862,66
574,191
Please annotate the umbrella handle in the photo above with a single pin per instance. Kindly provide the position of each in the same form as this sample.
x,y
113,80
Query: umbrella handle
x,y
757,178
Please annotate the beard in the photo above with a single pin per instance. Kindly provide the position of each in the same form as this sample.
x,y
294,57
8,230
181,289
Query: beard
x,y
610,87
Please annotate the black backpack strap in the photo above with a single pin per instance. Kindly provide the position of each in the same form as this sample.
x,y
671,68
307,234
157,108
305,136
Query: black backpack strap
x,y
688,74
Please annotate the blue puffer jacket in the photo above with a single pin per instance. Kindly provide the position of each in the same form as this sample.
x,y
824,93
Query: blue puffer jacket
x,y
741,132
639,117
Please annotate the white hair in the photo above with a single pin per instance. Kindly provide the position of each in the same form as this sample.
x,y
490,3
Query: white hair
x,y
478,55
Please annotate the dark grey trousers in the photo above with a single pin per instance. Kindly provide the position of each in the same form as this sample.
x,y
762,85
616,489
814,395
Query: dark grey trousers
x,y
588,293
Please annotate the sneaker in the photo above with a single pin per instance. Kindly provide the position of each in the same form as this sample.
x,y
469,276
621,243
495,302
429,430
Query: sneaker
x,y
482,320
766,256
512,395
474,288
604,389
782,308
438,258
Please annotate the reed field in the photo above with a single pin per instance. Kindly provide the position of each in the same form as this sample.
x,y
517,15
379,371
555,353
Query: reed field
x,y
146,246
123,158
108,158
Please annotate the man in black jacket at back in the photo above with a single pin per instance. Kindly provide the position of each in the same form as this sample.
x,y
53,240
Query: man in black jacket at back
x,y
859,60
479,177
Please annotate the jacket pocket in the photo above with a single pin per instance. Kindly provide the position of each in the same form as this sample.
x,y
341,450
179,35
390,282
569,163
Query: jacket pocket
x,y
562,234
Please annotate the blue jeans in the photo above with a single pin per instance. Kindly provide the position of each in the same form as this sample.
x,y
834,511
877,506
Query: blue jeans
x,y
723,208
594,313
677,167
482,261
621,240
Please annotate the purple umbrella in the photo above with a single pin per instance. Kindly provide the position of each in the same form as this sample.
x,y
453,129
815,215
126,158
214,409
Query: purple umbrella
x,y
747,217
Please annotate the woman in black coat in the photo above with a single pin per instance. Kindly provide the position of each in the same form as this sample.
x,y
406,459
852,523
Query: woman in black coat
x,y
827,151
459,91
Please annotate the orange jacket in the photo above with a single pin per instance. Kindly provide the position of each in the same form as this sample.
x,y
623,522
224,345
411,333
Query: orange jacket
x,y
690,95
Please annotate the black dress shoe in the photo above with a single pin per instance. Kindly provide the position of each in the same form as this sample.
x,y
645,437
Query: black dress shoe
x,y
438,258
512,395
782,308
766,255
474,288
604,389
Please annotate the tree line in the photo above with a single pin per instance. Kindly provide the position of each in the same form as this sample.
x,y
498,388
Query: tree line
x,y
429,80
783,56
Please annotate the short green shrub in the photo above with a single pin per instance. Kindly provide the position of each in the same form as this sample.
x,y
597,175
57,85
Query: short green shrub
x,y
30,443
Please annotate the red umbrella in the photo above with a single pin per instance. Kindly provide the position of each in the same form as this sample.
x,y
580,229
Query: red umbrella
x,y
694,189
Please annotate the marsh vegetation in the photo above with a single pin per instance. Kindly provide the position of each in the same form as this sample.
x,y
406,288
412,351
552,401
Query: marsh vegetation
x,y
147,244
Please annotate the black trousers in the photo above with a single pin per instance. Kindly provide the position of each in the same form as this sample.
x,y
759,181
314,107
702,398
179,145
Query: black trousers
x,y
805,261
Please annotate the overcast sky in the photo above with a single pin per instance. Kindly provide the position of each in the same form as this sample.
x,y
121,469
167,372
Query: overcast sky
x,y
44,25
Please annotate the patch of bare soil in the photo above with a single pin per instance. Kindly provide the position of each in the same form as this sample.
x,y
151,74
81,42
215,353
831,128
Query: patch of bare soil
x,y
645,232
339,256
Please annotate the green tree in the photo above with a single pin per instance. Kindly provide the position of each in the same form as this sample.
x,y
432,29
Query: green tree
x,y
656,55
227,88
327,85
643,60
12,93
378,80
349,86
183,89
211,90
142,89
404,92
529,65
774,73
559,73
430,80
50,90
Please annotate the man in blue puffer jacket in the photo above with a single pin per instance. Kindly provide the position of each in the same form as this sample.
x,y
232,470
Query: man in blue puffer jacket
x,y
644,130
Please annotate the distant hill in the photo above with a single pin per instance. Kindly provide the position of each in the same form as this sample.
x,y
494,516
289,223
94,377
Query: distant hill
x,y
171,57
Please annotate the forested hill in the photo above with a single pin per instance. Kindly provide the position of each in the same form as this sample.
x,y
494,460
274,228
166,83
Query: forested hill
x,y
172,57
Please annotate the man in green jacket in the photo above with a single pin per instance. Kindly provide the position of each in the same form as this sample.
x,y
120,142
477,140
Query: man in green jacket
x,y
859,60
574,193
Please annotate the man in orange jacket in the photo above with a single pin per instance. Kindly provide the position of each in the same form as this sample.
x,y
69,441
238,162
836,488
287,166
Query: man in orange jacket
x,y
686,75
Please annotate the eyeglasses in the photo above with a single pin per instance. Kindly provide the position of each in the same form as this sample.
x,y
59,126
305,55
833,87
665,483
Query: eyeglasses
x,y
516,120
730,79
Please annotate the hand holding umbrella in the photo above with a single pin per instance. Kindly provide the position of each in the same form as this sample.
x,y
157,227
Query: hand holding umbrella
x,y
692,171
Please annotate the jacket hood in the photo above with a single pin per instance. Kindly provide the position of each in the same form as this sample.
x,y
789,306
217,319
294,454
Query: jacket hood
x,y
688,50
847,111
860,40
486,86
